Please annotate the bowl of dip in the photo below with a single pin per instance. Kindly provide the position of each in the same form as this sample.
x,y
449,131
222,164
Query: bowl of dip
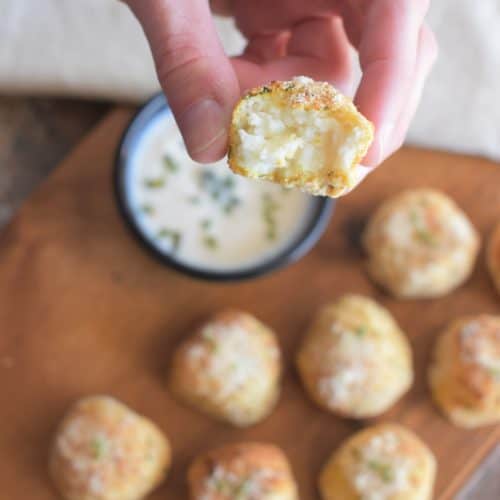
x,y
204,220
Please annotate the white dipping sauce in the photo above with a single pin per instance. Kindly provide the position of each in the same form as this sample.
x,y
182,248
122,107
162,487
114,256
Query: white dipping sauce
x,y
204,215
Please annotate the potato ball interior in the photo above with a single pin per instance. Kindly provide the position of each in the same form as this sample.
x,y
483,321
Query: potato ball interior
x,y
299,133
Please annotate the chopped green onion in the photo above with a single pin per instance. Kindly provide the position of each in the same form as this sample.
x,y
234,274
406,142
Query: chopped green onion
x,y
223,486
148,209
422,234
269,207
208,336
170,164
360,331
206,223
384,471
210,242
231,204
426,237
175,237
242,491
220,189
154,183
98,447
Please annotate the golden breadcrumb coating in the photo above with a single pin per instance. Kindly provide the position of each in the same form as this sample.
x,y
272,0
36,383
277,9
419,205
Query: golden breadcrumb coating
x,y
300,133
420,244
464,374
229,369
243,471
384,461
354,360
105,451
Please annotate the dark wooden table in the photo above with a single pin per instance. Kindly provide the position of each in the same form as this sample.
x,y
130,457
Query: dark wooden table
x,y
36,133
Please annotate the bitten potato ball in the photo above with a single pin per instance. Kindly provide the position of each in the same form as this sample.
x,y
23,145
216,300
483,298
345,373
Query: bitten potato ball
x,y
300,133
464,375
354,360
420,244
230,369
493,257
105,451
246,471
383,462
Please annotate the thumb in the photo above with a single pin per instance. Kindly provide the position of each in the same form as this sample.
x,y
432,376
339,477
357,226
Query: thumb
x,y
195,73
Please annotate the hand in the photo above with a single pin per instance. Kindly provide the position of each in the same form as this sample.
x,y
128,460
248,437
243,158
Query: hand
x,y
289,38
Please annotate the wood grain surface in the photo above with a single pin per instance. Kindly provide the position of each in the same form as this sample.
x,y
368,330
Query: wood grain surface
x,y
85,310
34,135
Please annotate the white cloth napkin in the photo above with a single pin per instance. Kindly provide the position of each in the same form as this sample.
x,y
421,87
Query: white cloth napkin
x,y
95,48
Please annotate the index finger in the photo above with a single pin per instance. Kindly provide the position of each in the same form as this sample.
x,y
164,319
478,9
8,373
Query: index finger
x,y
388,52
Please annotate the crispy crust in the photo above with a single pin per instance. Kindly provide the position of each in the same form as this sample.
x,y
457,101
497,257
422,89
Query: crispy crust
x,y
240,461
336,482
194,384
493,257
387,372
314,96
419,270
126,475
467,392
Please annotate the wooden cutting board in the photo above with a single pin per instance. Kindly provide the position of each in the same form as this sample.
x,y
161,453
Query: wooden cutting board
x,y
84,310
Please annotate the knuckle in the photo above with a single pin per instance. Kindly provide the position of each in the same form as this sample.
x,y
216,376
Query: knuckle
x,y
176,55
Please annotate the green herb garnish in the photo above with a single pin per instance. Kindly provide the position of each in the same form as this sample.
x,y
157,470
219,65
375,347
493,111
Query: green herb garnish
x,y
269,207
414,217
147,208
222,486
98,447
209,339
360,331
156,183
231,204
384,471
242,490
175,237
210,242
426,237
170,164
421,233
206,224
220,189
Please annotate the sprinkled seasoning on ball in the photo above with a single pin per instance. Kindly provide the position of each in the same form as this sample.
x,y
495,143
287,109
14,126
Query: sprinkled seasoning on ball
x,y
104,451
229,369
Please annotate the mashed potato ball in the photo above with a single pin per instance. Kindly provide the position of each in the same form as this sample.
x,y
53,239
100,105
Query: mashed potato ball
x,y
229,369
105,451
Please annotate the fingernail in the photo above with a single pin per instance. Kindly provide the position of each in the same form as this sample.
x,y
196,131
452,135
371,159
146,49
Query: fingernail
x,y
204,129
